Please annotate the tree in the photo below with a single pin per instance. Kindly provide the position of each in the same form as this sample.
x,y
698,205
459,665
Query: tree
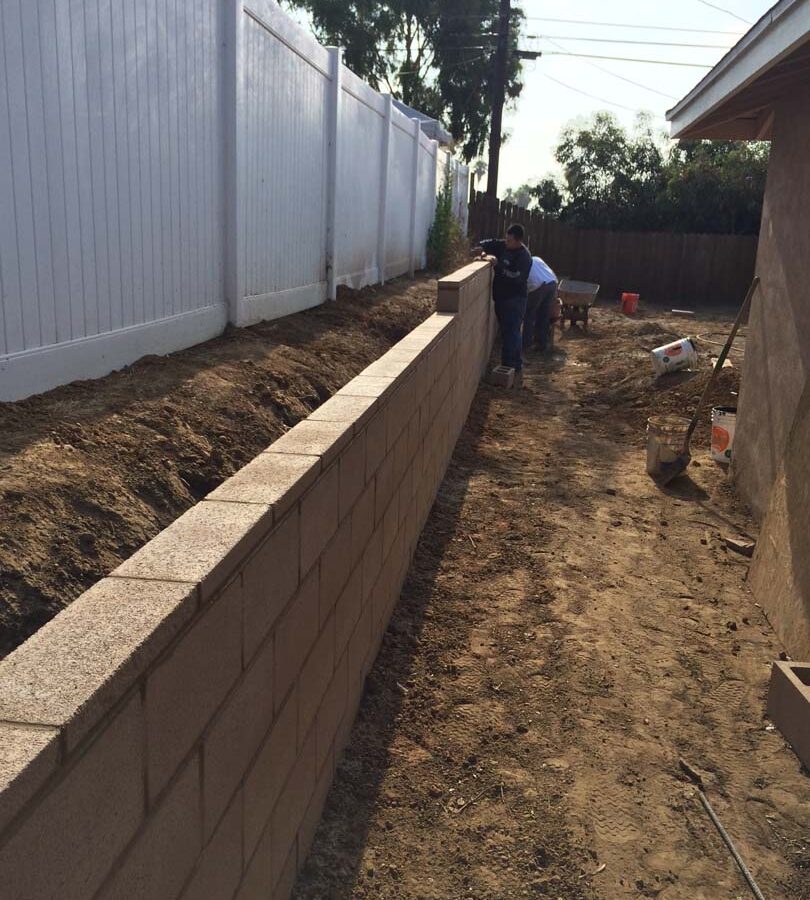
x,y
641,181
519,196
548,196
434,55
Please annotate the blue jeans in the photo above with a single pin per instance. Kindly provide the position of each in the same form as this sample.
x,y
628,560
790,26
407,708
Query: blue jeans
x,y
537,321
510,313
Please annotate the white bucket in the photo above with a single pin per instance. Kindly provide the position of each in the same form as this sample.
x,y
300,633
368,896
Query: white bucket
x,y
672,357
724,422
665,442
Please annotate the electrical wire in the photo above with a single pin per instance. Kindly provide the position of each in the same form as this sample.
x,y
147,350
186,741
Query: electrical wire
x,y
591,96
569,37
722,9
630,25
637,84
634,59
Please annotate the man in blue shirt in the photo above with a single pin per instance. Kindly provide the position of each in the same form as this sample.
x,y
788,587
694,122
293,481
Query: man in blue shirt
x,y
512,263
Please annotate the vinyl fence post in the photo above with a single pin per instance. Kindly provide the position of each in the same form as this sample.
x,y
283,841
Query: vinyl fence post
x,y
332,172
417,133
386,165
232,115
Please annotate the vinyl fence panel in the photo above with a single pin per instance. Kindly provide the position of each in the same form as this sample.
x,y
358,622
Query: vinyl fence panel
x,y
166,167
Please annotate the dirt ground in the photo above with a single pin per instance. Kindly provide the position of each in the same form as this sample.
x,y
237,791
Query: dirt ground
x,y
567,634
91,471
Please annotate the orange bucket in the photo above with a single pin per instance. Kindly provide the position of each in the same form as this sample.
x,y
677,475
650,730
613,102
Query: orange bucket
x,y
629,304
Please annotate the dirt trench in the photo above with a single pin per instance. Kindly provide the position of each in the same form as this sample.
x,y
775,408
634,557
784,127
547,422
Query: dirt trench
x,y
567,634
92,471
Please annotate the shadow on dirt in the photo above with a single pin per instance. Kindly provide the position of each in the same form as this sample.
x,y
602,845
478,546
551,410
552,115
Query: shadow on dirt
x,y
355,794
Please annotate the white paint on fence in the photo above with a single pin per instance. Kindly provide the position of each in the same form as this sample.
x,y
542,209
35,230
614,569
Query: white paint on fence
x,y
165,168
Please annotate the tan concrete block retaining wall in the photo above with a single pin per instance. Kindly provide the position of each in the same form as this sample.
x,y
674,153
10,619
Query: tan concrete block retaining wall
x,y
174,732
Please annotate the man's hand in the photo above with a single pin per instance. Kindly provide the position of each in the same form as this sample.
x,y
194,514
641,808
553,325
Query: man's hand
x,y
492,260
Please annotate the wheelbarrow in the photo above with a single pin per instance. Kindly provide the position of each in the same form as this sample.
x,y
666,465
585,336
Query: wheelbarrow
x,y
576,297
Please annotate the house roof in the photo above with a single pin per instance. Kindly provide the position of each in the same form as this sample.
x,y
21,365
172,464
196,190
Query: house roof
x,y
432,127
736,98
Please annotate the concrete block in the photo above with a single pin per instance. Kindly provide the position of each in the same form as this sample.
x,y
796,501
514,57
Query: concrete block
x,y
375,443
319,517
352,474
236,735
29,755
331,710
335,568
385,487
362,522
390,525
346,408
372,562
71,672
185,689
277,480
204,546
285,880
219,869
400,409
314,811
391,365
366,386
67,845
163,856
269,579
789,705
293,802
269,773
315,678
359,648
258,878
315,438
347,610
296,634
502,376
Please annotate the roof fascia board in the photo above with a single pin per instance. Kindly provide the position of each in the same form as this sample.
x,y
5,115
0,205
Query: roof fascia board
x,y
775,36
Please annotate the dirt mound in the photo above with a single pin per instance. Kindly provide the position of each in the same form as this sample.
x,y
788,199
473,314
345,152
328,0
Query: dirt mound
x,y
91,471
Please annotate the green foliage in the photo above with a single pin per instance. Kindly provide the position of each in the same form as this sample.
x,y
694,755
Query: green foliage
x,y
434,55
641,181
444,234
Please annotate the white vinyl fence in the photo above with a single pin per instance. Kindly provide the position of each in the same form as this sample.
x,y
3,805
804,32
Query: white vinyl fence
x,y
168,167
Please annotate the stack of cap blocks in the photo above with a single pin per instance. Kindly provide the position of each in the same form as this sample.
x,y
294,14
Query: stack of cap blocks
x,y
174,732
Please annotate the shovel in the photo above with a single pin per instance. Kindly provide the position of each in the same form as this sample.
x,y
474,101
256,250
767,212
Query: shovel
x,y
678,467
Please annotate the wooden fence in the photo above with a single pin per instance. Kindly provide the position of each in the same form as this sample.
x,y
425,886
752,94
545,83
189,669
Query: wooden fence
x,y
686,270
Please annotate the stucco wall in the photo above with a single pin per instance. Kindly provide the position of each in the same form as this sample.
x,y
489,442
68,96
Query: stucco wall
x,y
777,356
174,732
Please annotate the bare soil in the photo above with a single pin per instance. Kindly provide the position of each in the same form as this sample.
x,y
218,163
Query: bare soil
x,y
91,471
569,633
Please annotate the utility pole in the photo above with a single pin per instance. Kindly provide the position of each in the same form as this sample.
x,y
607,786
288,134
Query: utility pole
x,y
498,96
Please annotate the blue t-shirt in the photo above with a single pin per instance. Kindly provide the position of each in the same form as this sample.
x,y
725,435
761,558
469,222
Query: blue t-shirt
x,y
511,271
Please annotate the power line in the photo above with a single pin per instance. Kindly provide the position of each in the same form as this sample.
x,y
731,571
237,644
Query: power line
x,y
569,37
637,84
591,96
633,59
728,12
630,25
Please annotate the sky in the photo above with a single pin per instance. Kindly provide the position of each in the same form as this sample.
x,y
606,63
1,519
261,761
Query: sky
x,y
550,97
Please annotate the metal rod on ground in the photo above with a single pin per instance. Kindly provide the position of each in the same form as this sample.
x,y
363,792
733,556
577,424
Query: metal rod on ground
x,y
730,844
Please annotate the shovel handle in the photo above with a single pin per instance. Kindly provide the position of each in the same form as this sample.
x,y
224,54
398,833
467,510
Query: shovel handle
x,y
721,359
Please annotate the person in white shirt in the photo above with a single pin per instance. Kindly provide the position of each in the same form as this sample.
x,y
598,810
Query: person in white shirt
x,y
540,306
